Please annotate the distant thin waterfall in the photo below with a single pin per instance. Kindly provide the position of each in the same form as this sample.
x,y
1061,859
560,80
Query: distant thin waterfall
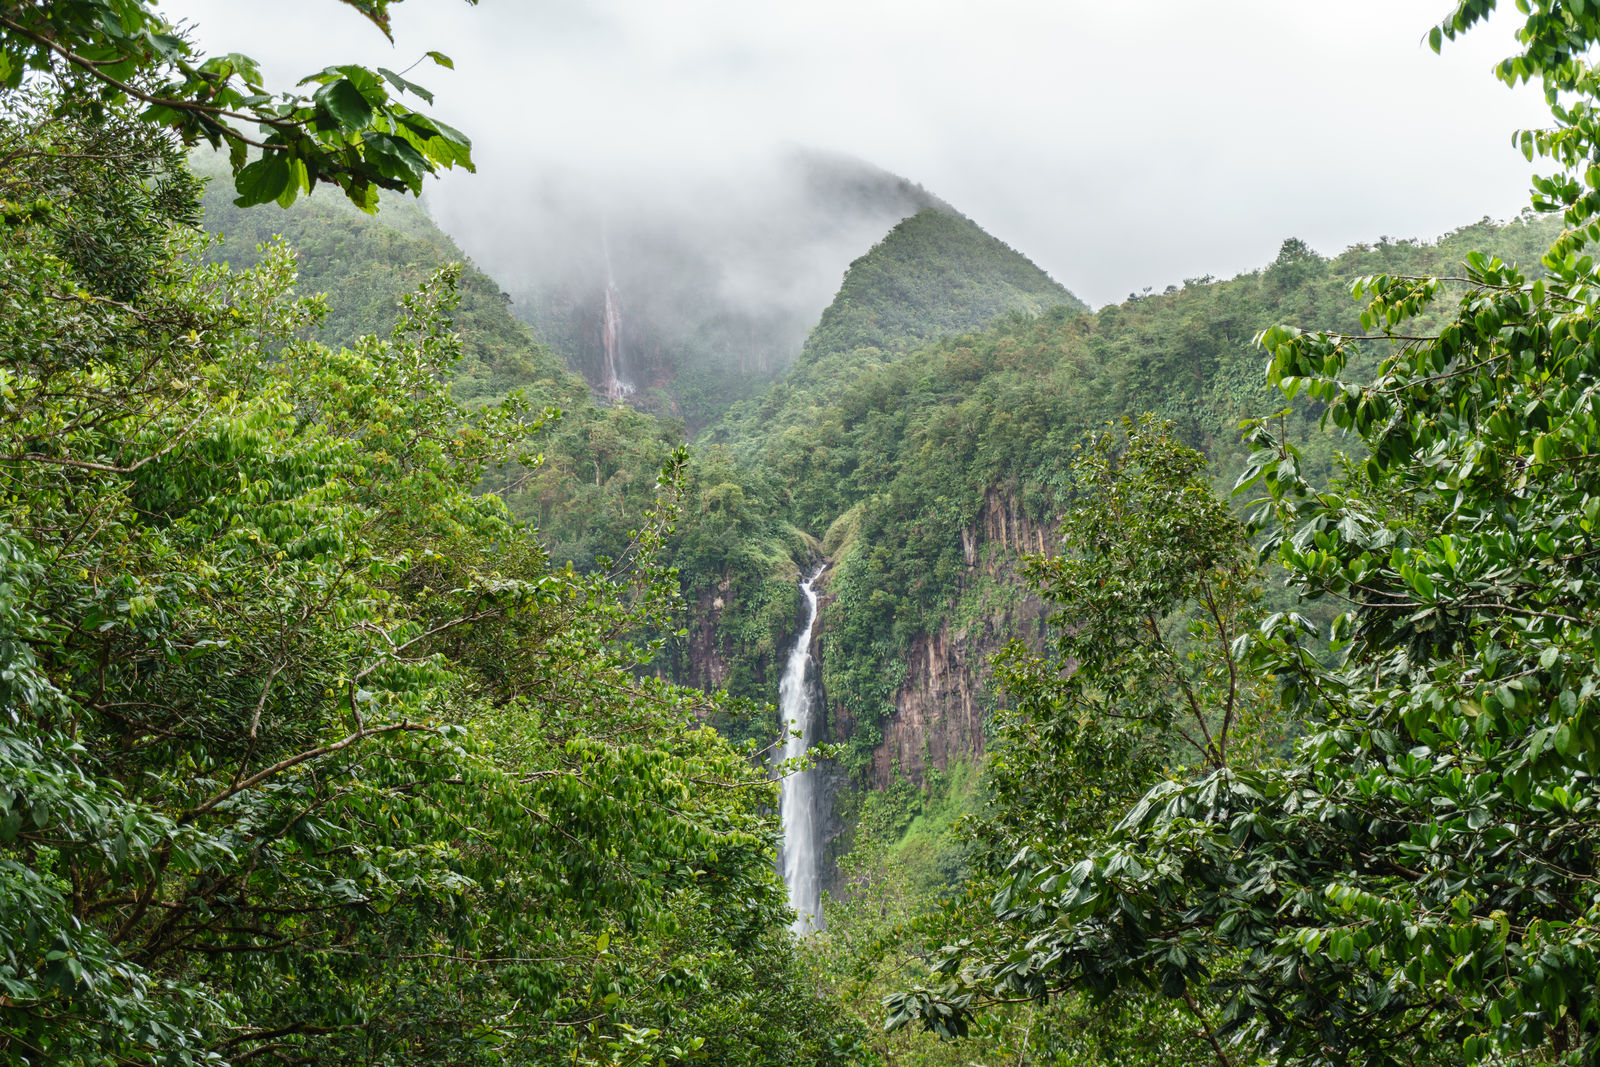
x,y
802,848
615,381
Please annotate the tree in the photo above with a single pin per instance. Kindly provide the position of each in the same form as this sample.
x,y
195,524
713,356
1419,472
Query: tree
x,y
352,131
1142,681
307,752
1143,685
1416,883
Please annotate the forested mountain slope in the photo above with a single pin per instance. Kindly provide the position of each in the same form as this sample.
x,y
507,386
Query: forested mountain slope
x,y
936,273
363,264
927,474
684,295
933,274
600,459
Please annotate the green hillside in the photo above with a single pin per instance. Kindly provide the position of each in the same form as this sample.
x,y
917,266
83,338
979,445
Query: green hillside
x,y
599,461
362,264
888,458
937,273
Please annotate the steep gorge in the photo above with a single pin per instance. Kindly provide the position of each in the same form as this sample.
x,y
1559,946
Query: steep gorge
x,y
941,705
920,442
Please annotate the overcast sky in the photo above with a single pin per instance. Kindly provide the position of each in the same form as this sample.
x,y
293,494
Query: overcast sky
x,y
1118,144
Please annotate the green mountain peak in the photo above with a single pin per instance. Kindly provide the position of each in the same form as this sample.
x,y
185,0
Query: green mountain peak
x,y
935,274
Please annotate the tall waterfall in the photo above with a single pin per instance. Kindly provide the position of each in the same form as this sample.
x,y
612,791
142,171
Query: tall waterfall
x,y
802,847
615,381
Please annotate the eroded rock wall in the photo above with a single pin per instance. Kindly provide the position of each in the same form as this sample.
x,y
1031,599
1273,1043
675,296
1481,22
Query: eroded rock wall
x,y
707,666
943,702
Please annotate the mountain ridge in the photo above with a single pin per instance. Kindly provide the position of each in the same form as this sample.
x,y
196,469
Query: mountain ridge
x,y
934,274
683,297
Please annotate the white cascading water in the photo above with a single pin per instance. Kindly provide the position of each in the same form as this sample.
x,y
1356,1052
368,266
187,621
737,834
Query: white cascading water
x,y
614,375
802,852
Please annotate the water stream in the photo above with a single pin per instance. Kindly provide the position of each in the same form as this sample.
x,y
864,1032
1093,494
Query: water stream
x,y
799,807
615,381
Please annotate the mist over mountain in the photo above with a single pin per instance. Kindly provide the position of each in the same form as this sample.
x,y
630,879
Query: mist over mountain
x,y
683,294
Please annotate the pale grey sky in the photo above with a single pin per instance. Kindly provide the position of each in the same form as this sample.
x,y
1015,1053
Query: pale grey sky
x,y
1117,144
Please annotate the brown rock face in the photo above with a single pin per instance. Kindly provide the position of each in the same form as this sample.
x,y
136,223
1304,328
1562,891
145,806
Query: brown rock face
x,y
1002,523
708,661
941,705
937,714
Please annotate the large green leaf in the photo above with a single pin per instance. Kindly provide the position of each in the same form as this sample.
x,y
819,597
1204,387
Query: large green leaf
x,y
263,180
344,102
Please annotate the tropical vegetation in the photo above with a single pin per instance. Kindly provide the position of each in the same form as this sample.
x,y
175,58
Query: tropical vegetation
x,y
370,691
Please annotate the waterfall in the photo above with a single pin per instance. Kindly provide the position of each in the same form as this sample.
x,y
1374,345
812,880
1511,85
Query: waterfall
x,y
614,380
802,847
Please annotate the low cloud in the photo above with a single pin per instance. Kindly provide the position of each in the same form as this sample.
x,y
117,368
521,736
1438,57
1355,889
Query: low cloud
x,y
1118,146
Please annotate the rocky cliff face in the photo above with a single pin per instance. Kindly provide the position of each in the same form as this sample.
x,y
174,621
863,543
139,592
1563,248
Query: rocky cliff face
x,y
740,643
939,709
707,667
943,702
1003,525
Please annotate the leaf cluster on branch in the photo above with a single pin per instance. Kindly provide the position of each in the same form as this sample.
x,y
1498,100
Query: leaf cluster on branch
x,y
351,129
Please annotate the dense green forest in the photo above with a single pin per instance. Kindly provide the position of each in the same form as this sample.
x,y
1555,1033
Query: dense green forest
x,y
363,264
889,455
311,751
778,482
599,461
373,692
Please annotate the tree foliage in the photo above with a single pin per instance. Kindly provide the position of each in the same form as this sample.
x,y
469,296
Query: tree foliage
x,y
307,752
1142,681
1415,882
351,131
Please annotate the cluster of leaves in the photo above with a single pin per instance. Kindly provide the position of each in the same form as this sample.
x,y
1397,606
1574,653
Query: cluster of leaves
x,y
306,750
352,131
1147,608
896,902
362,265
